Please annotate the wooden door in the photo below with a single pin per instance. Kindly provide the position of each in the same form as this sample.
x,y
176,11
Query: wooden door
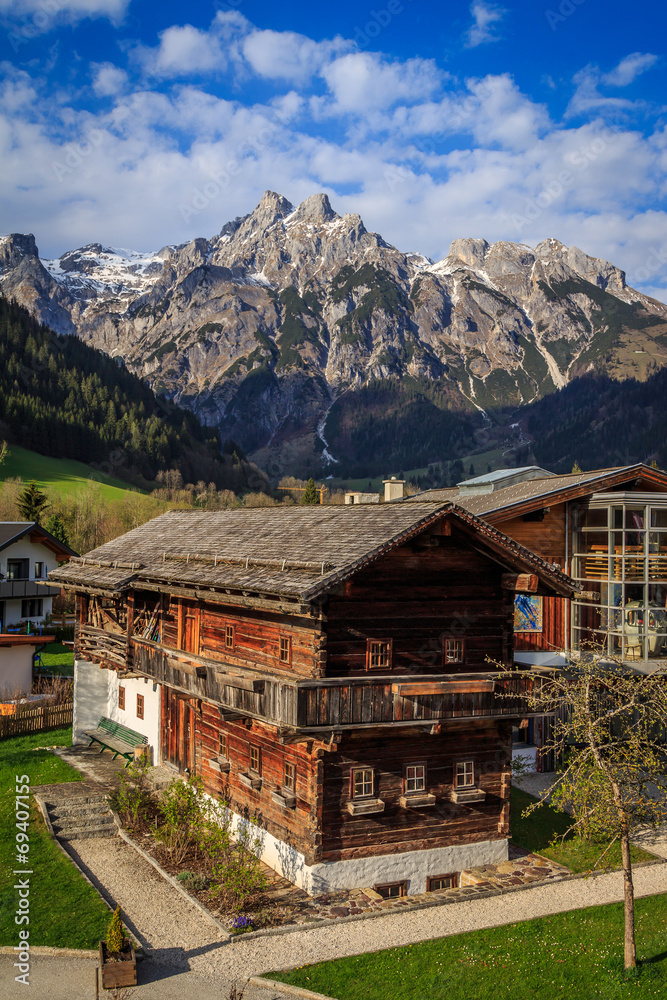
x,y
177,730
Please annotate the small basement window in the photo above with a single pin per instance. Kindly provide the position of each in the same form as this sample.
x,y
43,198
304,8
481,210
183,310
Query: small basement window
x,y
285,649
121,698
378,654
140,706
435,882
454,651
464,774
362,782
229,637
391,890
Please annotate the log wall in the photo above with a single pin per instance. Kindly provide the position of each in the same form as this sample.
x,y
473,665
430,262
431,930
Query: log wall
x,y
417,596
406,829
296,826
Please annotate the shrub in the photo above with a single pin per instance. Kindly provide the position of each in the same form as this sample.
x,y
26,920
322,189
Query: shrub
x,y
115,933
181,817
239,876
133,801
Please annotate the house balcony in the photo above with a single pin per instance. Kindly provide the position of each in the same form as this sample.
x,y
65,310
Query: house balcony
x,y
318,706
10,589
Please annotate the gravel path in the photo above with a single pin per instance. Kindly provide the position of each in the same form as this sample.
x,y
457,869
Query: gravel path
x,y
177,934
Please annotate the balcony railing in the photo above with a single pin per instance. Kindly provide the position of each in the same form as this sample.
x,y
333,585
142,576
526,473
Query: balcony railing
x,y
336,703
25,588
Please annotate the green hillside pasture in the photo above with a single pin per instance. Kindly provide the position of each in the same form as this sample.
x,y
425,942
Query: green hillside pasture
x,y
62,474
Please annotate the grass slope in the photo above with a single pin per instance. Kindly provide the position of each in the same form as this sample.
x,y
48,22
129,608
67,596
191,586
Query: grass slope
x,y
65,912
536,832
62,474
578,955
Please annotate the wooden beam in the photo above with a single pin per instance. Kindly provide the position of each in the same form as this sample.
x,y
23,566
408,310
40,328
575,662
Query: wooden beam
x,y
521,583
415,689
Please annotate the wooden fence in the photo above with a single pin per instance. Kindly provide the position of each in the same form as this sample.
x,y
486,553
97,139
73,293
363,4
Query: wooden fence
x,y
32,720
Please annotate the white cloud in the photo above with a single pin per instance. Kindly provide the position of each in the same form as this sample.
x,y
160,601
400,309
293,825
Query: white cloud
x,y
422,158
108,80
285,55
361,81
43,15
185,50
485,16
629,69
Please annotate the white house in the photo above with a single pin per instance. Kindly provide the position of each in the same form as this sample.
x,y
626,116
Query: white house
x,y
27,554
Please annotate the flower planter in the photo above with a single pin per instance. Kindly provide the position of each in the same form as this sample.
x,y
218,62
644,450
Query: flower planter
x,y
119,969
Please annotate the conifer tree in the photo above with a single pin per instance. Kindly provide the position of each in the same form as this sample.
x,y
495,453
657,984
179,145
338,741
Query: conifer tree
x,y
55,526
115,932
310,496
32,503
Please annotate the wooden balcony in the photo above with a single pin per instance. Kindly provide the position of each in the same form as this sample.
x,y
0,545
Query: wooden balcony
x,y
318,706
12,589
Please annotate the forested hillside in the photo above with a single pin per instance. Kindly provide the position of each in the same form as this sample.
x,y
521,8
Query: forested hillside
x,y
65,399
599,422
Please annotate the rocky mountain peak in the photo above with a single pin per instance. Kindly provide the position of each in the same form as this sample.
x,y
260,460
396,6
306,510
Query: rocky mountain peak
x,y
15,246
471,251
315,209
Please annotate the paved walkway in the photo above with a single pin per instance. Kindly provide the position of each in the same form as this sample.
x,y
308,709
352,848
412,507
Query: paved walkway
x,y
215,966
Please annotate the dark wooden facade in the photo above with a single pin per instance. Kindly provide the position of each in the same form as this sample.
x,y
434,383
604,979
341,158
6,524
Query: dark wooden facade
x,y
276,704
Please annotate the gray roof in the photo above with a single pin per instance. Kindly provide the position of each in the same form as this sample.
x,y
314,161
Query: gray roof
x,y
500,474
536,489
297,552
13,531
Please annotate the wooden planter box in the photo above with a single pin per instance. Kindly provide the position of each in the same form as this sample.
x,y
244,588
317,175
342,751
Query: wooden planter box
x,y
120,973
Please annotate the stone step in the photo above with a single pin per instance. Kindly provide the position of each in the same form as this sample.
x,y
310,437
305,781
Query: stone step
x,y
86,834
84,809
83,823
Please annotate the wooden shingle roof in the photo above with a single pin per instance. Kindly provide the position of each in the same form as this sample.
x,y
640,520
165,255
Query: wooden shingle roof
x,y
296,552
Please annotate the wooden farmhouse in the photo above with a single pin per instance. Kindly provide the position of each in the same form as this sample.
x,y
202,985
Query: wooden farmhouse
x,y
606,529
327,671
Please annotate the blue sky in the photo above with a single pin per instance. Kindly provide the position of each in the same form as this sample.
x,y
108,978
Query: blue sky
x,y
139,124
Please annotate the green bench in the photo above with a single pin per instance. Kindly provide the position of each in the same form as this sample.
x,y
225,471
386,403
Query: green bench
x,y
117,738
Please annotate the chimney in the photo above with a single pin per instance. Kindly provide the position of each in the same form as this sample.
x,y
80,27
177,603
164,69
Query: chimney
x,y
355,496
393,489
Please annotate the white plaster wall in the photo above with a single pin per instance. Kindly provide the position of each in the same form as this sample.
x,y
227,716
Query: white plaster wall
x,y
528,757
91,698
15,669
35,552
360,873
149,726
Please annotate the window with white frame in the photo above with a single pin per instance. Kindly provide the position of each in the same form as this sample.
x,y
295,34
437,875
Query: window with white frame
x,y
362,783
414,778
464,774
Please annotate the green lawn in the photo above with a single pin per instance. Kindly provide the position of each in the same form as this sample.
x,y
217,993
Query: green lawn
x,y
62,474
576,955
535,833
58,658
65,912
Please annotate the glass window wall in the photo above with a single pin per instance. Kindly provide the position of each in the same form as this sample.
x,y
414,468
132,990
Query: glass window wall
x,y
620,560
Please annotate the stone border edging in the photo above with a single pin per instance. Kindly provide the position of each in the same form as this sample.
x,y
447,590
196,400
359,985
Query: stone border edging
x,y
287,988
41,802
440,901
43,951
167,877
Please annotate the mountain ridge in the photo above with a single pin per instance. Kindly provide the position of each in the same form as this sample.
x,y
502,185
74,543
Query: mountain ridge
x,y
274,328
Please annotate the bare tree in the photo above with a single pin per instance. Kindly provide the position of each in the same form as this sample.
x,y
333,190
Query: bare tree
x,y
610,732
